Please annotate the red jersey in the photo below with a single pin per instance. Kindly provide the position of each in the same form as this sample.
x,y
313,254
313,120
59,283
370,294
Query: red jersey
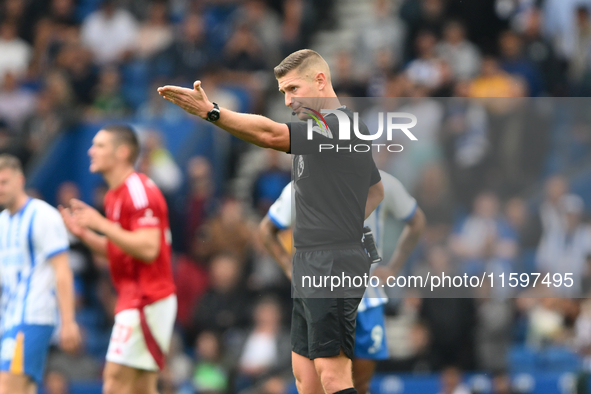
x,y
138,203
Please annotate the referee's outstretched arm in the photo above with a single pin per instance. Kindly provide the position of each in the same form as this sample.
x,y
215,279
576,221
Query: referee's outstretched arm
x,y
256,129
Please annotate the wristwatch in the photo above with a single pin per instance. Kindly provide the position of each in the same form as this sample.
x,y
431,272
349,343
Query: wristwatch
x,y
214,114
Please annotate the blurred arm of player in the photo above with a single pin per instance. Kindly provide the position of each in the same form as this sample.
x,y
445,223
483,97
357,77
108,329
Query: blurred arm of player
x,y
406,243
269,233
97,243
64,283
374,198
256,129
142,244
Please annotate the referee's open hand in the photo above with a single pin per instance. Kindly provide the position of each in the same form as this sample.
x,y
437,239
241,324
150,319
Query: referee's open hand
x,y
194,101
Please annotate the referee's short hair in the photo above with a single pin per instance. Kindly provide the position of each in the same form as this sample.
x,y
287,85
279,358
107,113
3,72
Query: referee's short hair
x,y
10,162
124,135
301,59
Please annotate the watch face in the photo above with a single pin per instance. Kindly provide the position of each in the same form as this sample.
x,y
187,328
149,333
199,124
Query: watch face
x,y
214,115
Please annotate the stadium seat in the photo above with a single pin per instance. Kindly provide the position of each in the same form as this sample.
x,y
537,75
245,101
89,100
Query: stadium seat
x,y
522,359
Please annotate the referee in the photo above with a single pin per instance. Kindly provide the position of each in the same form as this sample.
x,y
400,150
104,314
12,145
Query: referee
x,y
334,192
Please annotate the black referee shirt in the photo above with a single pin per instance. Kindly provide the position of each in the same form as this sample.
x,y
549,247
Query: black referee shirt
x,y
331,187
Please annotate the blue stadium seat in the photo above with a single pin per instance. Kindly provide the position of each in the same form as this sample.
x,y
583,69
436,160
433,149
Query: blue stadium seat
x,y
558,359
522,359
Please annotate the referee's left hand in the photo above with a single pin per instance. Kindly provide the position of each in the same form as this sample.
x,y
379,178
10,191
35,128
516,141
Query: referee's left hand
x,y
194,101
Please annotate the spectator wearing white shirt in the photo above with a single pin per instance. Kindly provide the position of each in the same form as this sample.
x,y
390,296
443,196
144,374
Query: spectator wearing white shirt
x,y
16,53
565,248
110,33
427,69
462,56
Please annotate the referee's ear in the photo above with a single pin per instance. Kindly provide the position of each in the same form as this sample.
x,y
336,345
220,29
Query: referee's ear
x,y
321,80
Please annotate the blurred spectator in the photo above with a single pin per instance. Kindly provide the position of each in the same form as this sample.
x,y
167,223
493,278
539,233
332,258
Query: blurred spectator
x,y
188,55
427,69
157,162
383,66
210,376
539,50
555,188
52,34
493,332
524,224
564,248
16,53
462,56
451,382
10,144
191,280
109,101
419,16
15,11
560,23
545,323
110,33
270,182
465,140
55,383
451,321
383,30
200,196
580,59
409,166
494,82
501,384
266,348
345,79
434,196
16,102
226,303
63,12
155,33
179,364
228,224
483,240
243,51
76,62
294,25
55,113
266,27
514,62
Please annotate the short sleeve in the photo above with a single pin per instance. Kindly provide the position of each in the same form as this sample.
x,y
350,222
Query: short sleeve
x,y
280,211
375,174
397,200
145,214
49,236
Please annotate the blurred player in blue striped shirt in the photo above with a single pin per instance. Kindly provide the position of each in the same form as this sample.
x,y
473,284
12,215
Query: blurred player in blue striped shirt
x,y
36,283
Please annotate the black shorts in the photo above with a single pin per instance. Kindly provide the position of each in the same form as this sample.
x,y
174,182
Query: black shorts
x,y
323,321
321,327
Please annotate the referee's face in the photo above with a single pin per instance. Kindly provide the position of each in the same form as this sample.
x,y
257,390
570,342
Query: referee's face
x,y
102,152
293,85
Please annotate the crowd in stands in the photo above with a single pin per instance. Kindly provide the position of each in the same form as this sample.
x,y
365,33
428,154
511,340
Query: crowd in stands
x,y
492,176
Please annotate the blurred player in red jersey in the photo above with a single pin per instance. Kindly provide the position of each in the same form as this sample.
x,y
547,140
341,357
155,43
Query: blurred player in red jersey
x,y
136,240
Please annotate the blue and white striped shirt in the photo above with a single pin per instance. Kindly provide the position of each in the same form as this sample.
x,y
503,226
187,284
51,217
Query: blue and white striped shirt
x,y
28,240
